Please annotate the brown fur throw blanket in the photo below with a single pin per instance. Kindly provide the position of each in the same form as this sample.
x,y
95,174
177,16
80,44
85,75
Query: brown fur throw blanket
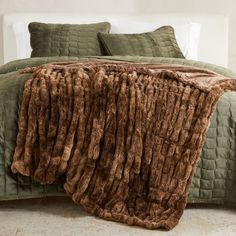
x,y
124,138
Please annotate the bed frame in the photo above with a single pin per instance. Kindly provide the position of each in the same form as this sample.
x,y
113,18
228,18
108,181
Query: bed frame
x,y
213,45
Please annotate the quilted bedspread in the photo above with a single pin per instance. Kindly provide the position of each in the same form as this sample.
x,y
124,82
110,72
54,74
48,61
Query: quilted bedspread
x,y
215,177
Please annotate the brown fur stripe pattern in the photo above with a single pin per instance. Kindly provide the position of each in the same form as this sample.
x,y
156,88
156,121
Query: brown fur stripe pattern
x,y
124,138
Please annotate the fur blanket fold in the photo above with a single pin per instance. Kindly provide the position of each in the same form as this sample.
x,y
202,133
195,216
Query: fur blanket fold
x,y
124,138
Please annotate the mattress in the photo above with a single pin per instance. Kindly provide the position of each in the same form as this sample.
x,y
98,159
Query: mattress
x,y
215,176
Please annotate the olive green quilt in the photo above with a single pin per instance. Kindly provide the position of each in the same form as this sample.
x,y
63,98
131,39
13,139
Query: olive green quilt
x,y
215,177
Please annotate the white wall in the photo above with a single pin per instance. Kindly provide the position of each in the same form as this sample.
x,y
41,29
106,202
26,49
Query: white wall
x,y
227,7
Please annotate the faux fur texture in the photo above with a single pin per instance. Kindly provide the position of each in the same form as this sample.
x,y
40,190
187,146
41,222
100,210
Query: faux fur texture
x,y
125,138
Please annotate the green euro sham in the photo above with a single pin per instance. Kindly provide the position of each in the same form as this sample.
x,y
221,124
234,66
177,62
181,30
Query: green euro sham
x,y
160,43
49,40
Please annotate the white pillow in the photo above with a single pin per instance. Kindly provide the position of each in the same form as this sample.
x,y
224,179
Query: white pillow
x,y
22,36
187,35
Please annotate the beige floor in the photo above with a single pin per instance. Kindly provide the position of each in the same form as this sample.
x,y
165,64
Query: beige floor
x,y
60,216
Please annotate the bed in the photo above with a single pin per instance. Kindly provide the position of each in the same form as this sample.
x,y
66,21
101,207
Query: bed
x,y
215,177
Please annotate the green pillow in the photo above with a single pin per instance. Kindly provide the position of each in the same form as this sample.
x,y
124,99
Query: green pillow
x,y
160,43
65,39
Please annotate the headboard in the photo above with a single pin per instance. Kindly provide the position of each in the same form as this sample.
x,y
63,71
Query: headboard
x,y
213,45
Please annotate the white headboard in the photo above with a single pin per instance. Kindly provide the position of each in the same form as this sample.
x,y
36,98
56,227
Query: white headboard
x,y
213,45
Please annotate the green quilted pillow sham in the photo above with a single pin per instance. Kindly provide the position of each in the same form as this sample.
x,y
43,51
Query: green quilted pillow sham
x,y
49,40
160,43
